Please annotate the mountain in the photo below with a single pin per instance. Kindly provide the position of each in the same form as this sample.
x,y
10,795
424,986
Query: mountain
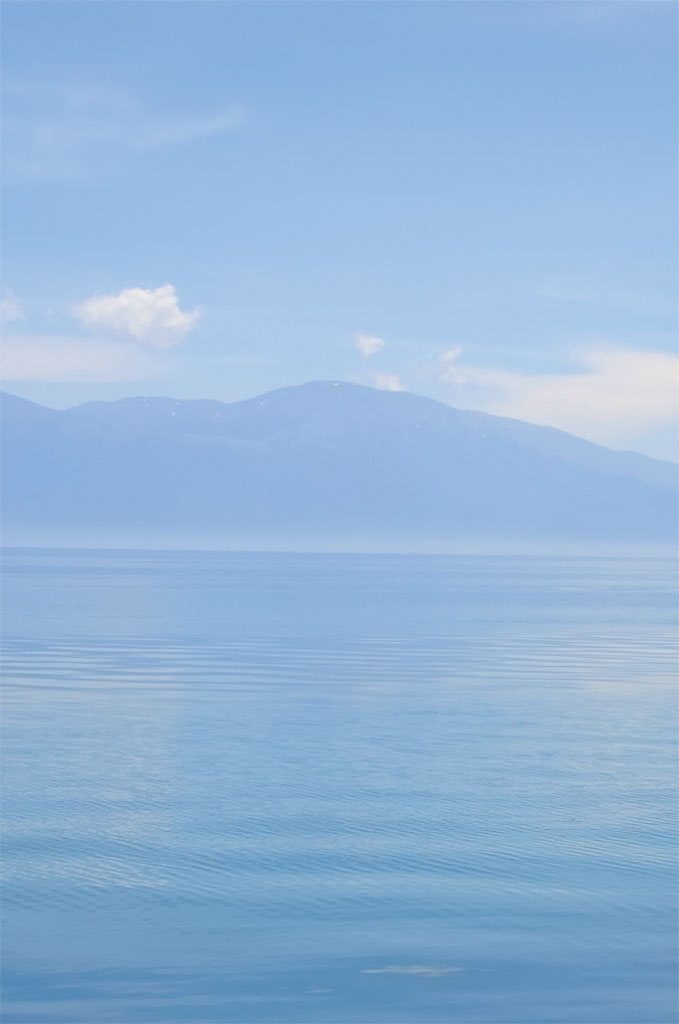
x,y
324,465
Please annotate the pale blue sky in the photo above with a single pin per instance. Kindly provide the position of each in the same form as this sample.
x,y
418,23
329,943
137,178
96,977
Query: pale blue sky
x,y
486,188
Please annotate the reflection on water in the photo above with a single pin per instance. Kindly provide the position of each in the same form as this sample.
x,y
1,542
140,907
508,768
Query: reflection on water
x,y
332,788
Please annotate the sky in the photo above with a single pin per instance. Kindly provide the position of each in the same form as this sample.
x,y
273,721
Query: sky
x,y
473,201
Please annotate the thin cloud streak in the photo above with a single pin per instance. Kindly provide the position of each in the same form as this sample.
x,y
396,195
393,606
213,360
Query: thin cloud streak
x,y
69,131
46,358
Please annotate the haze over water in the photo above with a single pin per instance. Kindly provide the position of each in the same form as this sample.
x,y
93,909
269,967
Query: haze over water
x,y
289,788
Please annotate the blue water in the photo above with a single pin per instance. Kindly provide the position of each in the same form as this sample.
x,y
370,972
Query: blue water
x,y
288,788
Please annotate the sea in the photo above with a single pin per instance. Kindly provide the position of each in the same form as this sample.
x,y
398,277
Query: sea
x,y
338,789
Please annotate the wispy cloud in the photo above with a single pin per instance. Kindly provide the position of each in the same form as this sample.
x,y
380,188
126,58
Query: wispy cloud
x,y
10,308
611,397
72,130
387,382
368,345
449,368
598,15
418,970
588,293
148,316
43,357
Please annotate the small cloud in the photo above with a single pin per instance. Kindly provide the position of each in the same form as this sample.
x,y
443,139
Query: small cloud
x,y
11,308
368,344
422,970
450,372
149,317
387,382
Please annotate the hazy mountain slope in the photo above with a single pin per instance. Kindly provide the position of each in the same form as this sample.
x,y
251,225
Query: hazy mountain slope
x,y
323,461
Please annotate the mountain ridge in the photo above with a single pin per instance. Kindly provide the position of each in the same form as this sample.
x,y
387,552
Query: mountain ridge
x,y
322,459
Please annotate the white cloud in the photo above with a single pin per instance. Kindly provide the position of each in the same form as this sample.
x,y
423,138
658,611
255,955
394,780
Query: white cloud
x,y
70,130
58,358
387,382
174,131
128,338
450,371
147,316
368,344
612,398
10,308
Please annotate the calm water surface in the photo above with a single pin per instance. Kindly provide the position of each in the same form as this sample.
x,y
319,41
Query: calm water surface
x,y
290,788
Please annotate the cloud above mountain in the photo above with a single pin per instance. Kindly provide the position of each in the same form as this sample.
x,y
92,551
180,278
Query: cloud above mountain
x,y
47,357
148,316
611,396
368,345
128,336
388,382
